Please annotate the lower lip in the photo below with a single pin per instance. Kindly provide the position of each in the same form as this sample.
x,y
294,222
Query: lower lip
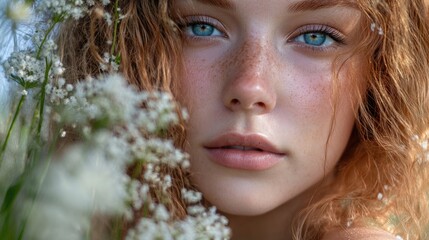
x,y
245,160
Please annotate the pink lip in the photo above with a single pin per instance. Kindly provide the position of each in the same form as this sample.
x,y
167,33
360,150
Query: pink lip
x,y
261,155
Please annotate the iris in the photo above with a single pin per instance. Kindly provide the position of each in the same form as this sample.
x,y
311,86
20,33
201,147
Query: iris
x,y
316,39
202,29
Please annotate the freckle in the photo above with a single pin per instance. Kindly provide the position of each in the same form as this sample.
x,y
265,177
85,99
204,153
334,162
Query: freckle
x,y
249,56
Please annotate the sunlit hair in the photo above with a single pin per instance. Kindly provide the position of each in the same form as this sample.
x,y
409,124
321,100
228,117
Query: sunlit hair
x,y
381,180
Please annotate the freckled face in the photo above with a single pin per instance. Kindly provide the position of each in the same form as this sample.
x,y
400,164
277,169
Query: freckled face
x,y
258,84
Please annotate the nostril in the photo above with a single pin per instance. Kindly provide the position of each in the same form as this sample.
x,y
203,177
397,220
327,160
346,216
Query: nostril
x,y
260,104
235,101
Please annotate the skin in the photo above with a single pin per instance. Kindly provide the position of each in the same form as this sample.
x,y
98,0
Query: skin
x,y
359,234
255,73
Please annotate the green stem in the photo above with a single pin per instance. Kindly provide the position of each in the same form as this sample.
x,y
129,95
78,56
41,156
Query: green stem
x,y
45,173
115,27
15,37
18,109
51,27
50,153
43,95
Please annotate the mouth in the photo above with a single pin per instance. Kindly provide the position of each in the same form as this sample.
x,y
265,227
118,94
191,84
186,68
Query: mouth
x,y
243,148
244,151
243,142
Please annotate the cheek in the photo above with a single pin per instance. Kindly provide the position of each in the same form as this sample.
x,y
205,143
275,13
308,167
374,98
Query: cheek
x,y
306,90
319,109
197,80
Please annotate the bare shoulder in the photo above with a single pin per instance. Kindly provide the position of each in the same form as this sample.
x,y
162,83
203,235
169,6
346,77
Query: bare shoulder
x,y
359,234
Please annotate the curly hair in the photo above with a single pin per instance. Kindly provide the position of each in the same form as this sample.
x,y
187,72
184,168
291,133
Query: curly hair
x,y
380,179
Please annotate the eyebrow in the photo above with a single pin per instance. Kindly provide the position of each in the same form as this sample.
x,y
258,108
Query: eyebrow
x,y
226,4
305,5
308,5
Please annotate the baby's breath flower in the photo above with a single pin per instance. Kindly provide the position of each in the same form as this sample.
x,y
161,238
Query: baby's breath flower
x,y
75,9
63,133
83,182
374,27
18,11
15,15
196,210
190,196
161,213
24,68
108,17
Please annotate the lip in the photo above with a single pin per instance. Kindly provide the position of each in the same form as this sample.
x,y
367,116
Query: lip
x,y
262,154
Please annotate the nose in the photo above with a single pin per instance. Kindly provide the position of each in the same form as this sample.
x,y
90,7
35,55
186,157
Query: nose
x,y
250,83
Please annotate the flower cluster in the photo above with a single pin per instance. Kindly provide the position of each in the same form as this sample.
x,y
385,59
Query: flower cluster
x,y
72,153
201,223
75,9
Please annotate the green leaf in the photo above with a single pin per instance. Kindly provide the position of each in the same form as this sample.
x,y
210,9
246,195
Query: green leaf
x,y
11,194
18,80
118,59
23,83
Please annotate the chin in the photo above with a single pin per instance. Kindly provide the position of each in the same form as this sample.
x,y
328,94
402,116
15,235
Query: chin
x,y
244,209
242,204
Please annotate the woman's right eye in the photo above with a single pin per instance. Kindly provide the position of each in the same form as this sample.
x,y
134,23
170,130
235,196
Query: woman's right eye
x,y
201,27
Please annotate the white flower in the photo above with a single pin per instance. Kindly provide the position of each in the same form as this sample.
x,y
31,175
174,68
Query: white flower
x,y
81,182
108,17
23,66
15,15
18,11
75,9
161,213
50,221
109,98
86,180
191,196
196,210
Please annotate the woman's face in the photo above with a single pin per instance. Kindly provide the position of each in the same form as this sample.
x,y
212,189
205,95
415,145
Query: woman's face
x,y
258,83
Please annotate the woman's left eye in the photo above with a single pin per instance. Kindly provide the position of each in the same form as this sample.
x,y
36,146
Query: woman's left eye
x,y
318,37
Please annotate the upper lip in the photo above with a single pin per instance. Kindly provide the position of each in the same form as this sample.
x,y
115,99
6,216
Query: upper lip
x,y
253,140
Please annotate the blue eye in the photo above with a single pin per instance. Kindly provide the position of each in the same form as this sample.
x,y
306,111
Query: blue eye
x,y
316,39
202,27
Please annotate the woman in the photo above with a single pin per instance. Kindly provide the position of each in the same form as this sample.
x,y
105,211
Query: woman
x,y
306,117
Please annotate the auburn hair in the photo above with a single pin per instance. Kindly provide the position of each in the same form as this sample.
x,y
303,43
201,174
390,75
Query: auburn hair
x,y
382,178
